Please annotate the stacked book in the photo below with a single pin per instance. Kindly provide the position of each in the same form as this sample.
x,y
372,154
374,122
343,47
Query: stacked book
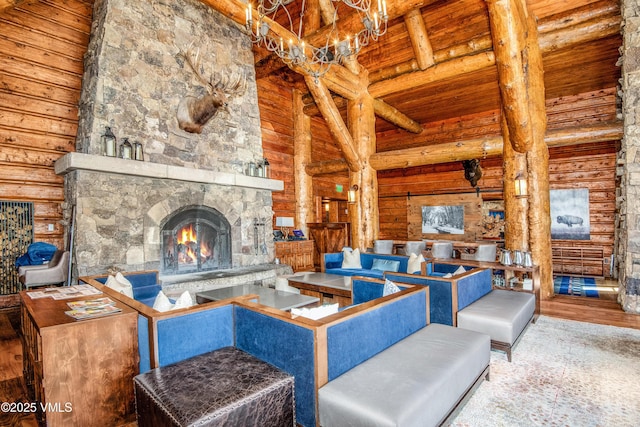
x,y
89,309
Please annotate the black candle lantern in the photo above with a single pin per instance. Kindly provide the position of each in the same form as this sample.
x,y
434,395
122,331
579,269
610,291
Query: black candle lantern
x,y
109,143
126,150
137,151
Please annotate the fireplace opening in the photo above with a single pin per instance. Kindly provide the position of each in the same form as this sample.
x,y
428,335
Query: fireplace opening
x,y
194,239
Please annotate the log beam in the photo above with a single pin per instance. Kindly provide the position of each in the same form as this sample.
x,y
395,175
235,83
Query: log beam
x,y
487,147
327,167
336,125
381,108
558,32
445,70
508,32
394,116
419,39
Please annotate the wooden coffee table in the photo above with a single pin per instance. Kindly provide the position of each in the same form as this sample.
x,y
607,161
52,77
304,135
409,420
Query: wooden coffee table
x,y
329,288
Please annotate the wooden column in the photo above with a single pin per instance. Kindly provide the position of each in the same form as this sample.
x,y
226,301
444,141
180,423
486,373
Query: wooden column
x,y
305,209
538,165
520,78
363,215
516,224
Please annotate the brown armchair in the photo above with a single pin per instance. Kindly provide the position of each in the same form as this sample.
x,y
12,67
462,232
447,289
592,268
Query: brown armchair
x,y
54,272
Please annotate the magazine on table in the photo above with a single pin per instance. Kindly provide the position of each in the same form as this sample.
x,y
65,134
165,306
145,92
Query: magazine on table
x,y
91,303
90,313
65,292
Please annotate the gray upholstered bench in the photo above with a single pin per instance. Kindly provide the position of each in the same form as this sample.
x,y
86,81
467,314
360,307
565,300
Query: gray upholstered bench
x,y
501,314
419,381
226,387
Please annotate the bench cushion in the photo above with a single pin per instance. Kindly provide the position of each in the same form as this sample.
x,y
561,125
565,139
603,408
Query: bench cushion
x,y
501,314
415,382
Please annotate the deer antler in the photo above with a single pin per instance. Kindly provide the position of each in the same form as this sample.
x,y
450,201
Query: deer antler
x,y
194,64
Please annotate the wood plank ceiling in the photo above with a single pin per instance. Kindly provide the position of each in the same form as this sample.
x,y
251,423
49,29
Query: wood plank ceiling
x,y
579,41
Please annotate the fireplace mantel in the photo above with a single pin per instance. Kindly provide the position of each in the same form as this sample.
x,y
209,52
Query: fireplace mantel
x,y
113,165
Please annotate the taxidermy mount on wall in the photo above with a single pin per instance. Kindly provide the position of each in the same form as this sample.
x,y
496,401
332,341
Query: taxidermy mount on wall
x,y
472,171
193,112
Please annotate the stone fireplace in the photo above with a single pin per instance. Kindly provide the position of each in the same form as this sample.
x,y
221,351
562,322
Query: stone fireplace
x,y
187,208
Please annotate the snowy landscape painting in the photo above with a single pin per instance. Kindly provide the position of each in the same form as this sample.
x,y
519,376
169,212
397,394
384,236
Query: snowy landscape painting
x,y
443,219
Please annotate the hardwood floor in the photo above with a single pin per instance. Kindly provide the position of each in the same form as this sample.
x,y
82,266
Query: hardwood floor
x,y
12,388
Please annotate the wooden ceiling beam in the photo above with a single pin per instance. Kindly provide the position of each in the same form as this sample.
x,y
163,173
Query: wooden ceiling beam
x,y
394,116
481,148
336,125
420,42
327,167
438,72
598,21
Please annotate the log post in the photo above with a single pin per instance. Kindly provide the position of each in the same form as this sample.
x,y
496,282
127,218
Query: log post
x,y
521,82
363,215
538,164
514,165
305,209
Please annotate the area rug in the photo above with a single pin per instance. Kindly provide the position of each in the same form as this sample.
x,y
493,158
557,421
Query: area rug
x,y
571,285
563,373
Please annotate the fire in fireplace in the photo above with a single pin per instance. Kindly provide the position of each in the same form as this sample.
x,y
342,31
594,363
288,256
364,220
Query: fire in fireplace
x,y
194,239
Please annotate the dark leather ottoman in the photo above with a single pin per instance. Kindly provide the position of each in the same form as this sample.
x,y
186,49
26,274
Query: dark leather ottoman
x,y
226,387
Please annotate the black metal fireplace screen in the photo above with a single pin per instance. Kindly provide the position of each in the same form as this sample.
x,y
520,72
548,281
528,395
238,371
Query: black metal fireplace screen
x,y
194,239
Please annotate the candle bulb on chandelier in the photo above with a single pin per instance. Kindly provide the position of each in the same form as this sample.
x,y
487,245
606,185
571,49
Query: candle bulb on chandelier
x,y
384,9
375,21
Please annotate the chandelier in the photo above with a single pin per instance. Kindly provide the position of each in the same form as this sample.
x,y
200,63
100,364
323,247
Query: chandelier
x,y
313,60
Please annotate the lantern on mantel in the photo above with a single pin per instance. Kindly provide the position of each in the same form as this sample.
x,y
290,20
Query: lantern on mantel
x,y
137,151
126,150
109,143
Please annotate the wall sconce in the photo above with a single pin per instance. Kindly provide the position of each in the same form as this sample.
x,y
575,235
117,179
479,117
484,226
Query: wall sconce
x,y
351,194
284,222
521,186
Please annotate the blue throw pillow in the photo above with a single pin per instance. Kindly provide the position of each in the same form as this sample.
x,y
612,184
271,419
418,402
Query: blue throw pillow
x,y
385,265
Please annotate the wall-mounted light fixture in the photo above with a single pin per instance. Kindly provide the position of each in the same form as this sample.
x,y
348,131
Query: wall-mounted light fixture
x,y
351,194
284,222
521,186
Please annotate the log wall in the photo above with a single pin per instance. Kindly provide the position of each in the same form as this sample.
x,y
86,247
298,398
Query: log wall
x,y
591,166
41,65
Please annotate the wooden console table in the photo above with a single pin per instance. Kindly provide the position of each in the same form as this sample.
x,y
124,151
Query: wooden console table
x,y
81,370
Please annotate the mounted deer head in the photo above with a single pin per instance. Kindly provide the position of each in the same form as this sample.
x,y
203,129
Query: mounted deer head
x,y
193,113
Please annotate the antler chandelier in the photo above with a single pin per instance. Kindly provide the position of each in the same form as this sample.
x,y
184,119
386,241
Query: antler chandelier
x,y
315,61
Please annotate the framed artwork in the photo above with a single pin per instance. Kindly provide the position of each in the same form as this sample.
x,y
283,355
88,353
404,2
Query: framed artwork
x,y
570,214
443,219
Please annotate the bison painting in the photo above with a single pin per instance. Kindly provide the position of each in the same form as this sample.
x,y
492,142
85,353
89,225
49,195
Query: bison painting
x,y
569,220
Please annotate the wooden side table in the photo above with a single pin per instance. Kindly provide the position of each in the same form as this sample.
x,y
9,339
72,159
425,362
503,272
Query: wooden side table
x,y
81,371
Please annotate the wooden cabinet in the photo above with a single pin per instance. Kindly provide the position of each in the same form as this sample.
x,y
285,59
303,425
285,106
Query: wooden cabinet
x,y
80,371
296,253
328,237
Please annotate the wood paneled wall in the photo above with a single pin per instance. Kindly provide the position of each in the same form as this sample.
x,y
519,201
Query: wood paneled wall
x,y
42,45
591,166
